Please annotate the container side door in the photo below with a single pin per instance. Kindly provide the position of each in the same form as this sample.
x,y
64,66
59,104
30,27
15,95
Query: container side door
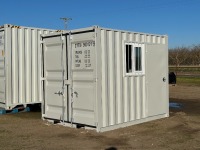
x,y
157,79
2,68
83,78
55,101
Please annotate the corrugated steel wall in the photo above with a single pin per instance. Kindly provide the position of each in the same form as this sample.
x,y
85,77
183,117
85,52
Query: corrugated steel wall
x,y
123,97
2,68
23,58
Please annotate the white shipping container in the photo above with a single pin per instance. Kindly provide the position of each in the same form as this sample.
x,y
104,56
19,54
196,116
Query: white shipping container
x,y
105,78
20,65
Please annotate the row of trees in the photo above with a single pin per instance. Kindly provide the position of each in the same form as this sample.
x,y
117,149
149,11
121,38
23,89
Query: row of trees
x,y
184,55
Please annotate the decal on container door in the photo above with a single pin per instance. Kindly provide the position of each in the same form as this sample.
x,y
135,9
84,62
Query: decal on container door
x,y
83,54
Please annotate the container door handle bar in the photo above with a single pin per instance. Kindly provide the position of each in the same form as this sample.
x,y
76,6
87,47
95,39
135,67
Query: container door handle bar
x,y
59,93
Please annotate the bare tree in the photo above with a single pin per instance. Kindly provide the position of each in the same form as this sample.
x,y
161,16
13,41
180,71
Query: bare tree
x,y
179,55
196,54
184,56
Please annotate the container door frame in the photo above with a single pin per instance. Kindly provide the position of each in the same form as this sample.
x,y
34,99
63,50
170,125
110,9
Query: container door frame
x,y
157,79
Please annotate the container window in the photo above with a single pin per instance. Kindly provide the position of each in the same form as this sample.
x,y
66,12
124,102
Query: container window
x,y
134,59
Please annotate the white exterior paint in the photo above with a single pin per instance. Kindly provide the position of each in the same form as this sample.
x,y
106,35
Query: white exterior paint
x,y
20,65
98,92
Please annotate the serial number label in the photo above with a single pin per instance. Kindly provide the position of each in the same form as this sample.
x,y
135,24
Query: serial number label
x,y
85,44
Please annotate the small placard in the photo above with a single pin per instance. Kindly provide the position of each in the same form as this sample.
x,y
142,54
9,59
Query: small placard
x,y
83,54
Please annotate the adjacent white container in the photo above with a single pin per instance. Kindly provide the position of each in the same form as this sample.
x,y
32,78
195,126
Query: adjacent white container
x,y
20,65
105,78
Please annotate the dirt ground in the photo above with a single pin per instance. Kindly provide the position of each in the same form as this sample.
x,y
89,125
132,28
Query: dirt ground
x,y
180,131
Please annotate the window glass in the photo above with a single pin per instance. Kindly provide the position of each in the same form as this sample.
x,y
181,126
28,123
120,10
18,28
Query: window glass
x,y
138,59
129,59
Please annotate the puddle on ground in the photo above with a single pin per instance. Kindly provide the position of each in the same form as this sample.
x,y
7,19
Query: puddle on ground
x,y
175,105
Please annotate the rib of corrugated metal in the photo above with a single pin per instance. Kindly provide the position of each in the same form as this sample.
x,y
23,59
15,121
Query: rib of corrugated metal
x,y
2,67
123,97
23,65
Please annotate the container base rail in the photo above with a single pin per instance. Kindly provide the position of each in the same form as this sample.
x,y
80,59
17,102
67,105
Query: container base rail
x,y
14,110
68,124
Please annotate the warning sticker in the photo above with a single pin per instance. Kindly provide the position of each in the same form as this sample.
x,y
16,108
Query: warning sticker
x,y
2,53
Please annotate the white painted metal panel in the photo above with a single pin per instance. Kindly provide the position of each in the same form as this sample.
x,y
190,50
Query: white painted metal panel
x,y
123,97
23,66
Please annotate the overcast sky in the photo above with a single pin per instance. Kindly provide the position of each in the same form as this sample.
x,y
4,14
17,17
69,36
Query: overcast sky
x,y
179,19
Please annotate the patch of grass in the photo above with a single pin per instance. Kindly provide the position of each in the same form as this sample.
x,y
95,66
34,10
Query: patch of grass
x,y
192,81
185,69
190,71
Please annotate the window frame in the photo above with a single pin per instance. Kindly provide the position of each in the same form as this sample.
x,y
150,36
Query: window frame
x,y
134,72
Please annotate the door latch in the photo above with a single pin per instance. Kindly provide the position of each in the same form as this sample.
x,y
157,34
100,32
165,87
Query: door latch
x,y
59,93
76,93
